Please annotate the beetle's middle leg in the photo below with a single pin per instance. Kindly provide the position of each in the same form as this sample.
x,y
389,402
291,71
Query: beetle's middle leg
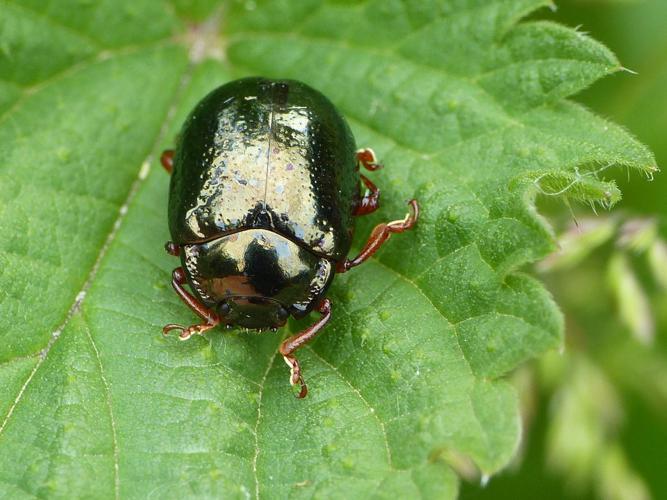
x,y
367,158
380,234
211,318
371,200
298,340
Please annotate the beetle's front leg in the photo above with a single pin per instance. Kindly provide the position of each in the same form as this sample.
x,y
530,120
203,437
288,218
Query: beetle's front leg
x,y
167,160
172,248
211,318
294,342
380,234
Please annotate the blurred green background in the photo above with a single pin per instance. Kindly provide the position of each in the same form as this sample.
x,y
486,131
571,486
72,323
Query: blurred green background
x,y
596,414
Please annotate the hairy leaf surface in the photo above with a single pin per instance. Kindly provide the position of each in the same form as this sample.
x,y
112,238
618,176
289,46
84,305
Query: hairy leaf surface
x,y
465,105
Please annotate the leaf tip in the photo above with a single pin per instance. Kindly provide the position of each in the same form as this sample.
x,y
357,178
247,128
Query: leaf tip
x,y
627,70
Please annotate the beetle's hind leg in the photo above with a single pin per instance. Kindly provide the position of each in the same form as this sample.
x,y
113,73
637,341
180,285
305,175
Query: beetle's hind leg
x,y
380,234
297,341
211,318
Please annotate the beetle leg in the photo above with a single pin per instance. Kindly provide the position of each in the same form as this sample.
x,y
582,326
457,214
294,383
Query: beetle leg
x,y
380,234
296,341
167,160
371,200
368,159
212,320
172,248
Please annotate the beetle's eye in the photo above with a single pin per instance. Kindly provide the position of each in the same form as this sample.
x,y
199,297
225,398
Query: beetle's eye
x,y
225,308
282,314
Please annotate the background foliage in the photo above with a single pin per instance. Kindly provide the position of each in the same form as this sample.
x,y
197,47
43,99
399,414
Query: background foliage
x,y
464,103
616,375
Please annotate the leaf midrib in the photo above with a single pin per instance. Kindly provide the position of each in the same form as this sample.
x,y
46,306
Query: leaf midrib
x,y
129,201
133,190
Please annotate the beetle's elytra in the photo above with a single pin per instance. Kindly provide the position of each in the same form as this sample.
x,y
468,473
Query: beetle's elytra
x,y
265,188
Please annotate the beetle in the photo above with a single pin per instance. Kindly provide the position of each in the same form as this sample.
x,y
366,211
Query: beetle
x,y
265,187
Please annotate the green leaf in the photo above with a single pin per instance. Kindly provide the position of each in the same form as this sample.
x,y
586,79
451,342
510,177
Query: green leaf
x,y
464,105
638,100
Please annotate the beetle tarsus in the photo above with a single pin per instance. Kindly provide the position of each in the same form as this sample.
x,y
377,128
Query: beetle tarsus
x,y
379,235
367,158
177,281
295,376
298,340
167,160
371,200
187,331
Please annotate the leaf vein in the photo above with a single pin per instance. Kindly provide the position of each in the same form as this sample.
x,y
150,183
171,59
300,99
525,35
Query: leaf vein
x,y
259,418
109,404
55,23
80,296
74,68
364,400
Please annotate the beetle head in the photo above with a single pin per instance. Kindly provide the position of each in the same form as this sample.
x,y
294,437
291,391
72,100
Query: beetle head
x,y
253,312
256,278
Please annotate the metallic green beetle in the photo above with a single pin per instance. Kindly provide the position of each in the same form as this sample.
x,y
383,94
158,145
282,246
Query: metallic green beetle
x,y
265,188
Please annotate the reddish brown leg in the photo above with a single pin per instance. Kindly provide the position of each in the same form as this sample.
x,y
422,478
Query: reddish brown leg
x,y
380,234
368,159
172,248
297,341
371,200
167,160
177,281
